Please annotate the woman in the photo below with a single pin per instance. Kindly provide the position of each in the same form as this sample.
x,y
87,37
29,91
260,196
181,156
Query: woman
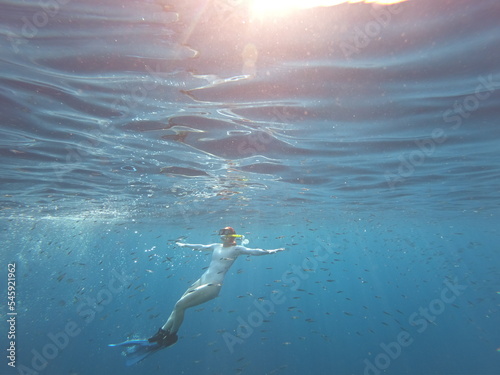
x,y
204,289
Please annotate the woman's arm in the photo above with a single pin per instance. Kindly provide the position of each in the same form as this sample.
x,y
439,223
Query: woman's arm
x,y
196,246
246,251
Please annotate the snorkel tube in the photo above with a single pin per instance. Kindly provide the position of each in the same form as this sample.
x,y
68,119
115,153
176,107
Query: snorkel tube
x,y
244,241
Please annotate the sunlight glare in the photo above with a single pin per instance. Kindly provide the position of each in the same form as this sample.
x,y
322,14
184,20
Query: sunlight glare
x,y
262,8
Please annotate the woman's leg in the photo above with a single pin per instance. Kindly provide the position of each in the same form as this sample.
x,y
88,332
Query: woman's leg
x,y
192,297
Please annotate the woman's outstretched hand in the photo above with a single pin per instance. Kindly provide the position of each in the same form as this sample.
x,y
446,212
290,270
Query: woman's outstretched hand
x,y
276,250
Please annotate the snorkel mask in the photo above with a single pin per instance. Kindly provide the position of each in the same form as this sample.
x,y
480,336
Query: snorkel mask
x,y
229,232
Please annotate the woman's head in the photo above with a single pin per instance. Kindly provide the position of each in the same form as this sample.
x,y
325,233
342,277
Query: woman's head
x,y
228,236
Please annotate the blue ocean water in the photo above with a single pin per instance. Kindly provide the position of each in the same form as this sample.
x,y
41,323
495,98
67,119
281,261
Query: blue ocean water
x,y
360,137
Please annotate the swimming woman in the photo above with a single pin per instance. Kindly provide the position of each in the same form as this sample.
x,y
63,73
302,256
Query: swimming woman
x,y
204,289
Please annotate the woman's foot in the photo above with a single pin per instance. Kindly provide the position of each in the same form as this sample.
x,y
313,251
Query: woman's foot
x,y
164,338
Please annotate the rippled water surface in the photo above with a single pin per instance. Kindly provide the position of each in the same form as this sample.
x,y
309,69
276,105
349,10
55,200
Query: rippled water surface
x,y
369,130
